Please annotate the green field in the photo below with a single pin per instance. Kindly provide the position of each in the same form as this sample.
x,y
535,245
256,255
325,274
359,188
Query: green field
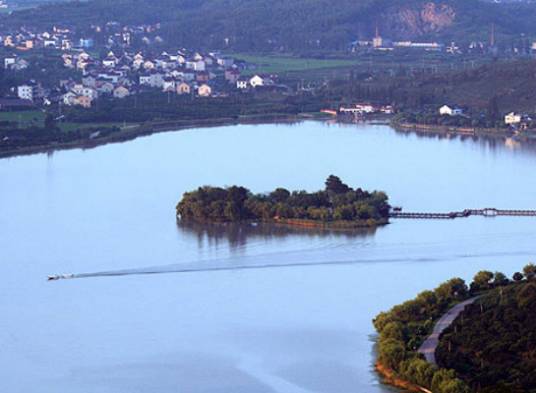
x,y
269,64
36,118
68,126
24,118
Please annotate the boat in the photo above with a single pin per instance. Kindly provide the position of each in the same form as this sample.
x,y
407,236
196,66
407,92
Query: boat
x,y
60,277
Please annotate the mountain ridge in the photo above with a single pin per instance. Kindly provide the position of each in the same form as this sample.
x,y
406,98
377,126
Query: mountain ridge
x,y
300,24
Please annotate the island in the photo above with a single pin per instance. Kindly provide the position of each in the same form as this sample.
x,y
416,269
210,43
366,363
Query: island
x,y
461,339
338,206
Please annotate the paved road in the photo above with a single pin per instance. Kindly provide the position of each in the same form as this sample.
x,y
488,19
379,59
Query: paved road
x,y
429,346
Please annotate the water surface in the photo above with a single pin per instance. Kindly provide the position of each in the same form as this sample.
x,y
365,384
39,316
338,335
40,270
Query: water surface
x,y
285,329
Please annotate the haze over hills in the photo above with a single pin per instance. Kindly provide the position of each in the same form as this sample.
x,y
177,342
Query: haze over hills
x,y
297,24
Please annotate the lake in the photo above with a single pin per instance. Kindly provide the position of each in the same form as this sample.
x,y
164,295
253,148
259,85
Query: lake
x,y
299,322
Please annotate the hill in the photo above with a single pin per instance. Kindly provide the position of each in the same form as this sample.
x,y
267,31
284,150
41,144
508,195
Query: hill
x,y
254,25
507,86
492,346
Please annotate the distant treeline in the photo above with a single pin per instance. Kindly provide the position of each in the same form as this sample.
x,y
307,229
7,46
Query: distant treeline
x,y
487,347
337,202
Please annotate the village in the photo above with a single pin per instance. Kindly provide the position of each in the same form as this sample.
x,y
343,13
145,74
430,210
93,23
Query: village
x,y
121,71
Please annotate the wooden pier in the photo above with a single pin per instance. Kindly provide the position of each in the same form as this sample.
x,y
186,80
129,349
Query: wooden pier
x,y
487,212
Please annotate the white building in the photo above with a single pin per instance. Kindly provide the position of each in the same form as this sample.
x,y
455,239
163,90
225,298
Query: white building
x,y
242,84
512,118
257,80
446,110
29,91
9,61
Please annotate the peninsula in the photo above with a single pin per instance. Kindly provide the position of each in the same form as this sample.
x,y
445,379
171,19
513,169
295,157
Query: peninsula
x,y
460,339
337,206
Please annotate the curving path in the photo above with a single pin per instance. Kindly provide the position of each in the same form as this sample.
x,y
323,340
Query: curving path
x,y
429,346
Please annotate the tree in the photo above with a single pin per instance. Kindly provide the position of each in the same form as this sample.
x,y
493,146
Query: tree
x,y
391,353
280,195
453,386
440,377
530,271
336,186
50,123
482,280
493,109
393,330
517,276
499,279
527,296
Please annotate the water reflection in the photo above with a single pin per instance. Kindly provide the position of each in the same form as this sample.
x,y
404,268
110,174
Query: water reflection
x,y
238,234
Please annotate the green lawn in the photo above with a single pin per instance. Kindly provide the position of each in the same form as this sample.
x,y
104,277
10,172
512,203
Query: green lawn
x,y
279,63
24,118
68,126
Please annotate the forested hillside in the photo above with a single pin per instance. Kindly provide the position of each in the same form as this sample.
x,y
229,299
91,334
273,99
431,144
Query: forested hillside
x,y
493,346
498,87
294,25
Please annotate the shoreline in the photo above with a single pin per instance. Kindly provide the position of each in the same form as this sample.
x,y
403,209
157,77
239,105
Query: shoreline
x,y
463,131
304,224
390,378
129,133
133,132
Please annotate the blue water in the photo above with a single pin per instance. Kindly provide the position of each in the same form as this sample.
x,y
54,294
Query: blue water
x,y
302,328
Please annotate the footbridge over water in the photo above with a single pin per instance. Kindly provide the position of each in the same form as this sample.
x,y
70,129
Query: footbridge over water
x,y
486,212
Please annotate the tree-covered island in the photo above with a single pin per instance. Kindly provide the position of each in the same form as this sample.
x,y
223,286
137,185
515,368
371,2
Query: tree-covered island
x,y
337,206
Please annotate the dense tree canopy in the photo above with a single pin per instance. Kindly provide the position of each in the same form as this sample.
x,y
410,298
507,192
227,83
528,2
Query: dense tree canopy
x,y
403,329
338,202
492,346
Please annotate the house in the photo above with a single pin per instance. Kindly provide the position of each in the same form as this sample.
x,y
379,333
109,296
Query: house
x,y
69,98
86,42
196,65
257,80
20,64
148,65
183,88
204,91
242,83
29,91
104,87
145,80
78,88
359,109
8,41
121,92
9,61
89,80
83,101
89,92
446,110
110,61
169,85
512,118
